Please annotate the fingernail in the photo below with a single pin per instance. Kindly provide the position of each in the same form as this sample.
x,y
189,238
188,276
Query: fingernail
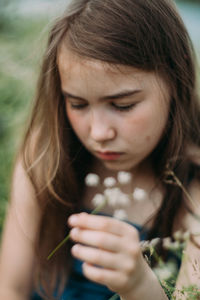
x,y
73,220
75,249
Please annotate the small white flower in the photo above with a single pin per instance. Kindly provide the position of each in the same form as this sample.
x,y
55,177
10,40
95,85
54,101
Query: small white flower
x,y
120,214
98,200
144,245
167,243
166,271
92,179
109,182
154,242
124,200
186,235
178,235
124,177
175,245
112,196
116,197
139,194
163,273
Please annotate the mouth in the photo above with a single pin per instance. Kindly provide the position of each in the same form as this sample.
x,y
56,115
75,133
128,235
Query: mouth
x,y
107,155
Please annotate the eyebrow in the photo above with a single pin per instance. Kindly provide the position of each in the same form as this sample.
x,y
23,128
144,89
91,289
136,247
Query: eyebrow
x,y
122,94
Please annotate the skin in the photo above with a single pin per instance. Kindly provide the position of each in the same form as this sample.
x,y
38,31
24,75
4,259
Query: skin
x,y
105,121
105,118
114,246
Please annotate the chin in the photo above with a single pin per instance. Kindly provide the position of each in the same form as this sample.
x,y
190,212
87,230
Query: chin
x,y
118,166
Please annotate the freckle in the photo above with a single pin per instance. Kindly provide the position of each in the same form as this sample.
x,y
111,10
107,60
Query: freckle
x,y
148,138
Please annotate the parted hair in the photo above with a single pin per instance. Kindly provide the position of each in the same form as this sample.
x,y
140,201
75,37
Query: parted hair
x,y
145,34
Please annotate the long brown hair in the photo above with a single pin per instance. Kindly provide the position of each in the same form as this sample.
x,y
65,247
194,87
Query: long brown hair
x,y
145,34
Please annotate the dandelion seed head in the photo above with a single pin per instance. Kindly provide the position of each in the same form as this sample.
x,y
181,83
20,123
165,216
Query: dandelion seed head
x,y
109,182
186,235
139,194
115,197
163,274
112,195
144,245
175,245
154,242
124,200
92,179
98,200
167,243
120,214
178,235
124,177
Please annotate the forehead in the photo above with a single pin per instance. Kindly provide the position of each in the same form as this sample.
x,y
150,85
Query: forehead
x,y
68,60
74,68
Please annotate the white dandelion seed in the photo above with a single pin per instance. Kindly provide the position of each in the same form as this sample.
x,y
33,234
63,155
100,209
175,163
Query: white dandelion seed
x,y
175,245
139,194
112,195
178,235
144,245
115,197
167,243
98,200
109,182
154,242
167,271
124,200
120,214
92,179
186,235
124,177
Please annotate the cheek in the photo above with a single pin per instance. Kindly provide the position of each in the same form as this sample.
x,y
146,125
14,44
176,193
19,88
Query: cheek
x,y
73,118
147,125
78,123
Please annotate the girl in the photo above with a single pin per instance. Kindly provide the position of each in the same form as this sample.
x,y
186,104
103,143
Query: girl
x,y
116,92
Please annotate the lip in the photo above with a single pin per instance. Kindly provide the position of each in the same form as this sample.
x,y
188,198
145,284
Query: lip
x,y
108,155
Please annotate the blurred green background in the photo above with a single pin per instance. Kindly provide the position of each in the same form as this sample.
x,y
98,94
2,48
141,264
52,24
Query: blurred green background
x,y
23,31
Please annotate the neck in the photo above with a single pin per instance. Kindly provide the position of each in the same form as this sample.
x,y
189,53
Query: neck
x,y
142,175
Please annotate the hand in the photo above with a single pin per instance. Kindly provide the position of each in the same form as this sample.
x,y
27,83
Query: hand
x,y
110,250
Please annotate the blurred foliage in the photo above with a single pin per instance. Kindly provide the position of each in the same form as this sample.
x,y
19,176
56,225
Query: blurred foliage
x,y
21,47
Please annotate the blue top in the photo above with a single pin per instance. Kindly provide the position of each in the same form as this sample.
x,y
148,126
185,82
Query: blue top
x,y
80,288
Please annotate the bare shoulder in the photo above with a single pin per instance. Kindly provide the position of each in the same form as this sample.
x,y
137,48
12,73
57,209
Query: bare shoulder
x,y
19,234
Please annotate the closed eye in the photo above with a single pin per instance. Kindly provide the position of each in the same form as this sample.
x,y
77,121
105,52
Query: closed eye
x,y
123,107
78,105
120,107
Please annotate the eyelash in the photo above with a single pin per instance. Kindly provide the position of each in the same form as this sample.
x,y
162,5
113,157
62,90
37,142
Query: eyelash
x,y
124,108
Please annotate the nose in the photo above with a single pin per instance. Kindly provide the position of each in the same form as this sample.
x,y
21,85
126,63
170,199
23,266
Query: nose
x,y
101,127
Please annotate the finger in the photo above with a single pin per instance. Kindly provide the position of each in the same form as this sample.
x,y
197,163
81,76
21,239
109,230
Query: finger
x,y
102,223
111,278
103,240
105,259
97,257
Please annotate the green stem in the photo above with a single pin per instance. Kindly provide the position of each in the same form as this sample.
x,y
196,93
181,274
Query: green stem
x,y
95,211
58,246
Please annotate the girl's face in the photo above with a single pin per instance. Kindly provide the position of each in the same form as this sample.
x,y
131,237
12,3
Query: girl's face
x,y
119,114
